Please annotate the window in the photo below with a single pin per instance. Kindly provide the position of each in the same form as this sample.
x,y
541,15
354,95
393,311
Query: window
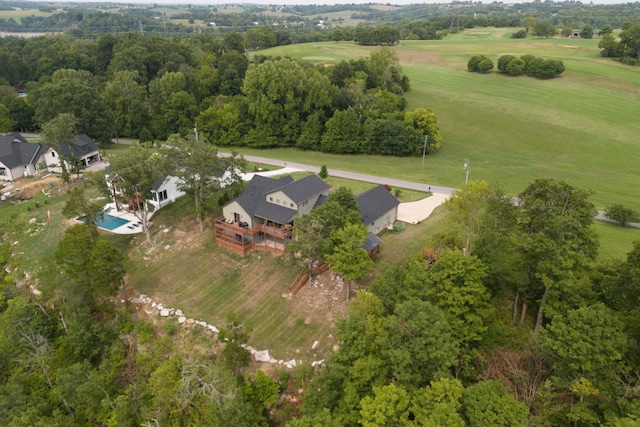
x,y
305,203
53,154
162,195
291,204
271,199
278,201
3,171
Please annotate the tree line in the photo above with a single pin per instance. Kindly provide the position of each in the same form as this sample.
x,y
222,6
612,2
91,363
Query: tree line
x,y
132,86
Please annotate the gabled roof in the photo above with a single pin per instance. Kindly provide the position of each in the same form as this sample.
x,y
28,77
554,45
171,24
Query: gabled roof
x,y
79,148
304,188
375,202
321,199
371,242
16,151
256,190
158,183
275,213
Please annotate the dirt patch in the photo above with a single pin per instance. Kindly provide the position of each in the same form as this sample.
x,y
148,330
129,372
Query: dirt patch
x,y
323,298
28,187
418,57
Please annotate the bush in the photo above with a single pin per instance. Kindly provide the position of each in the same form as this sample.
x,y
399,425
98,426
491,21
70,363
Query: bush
x,y
323,172
503,61
515,67
520,34
485,65
621,214
472,65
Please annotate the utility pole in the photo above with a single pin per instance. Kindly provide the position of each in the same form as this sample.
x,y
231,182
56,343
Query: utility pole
x,y
424,151
466,168
195,130
140,26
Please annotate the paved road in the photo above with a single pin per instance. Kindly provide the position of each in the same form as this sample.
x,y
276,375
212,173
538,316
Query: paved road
x,y
381,180
409,185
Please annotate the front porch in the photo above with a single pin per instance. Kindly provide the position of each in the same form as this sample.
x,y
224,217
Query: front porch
x,y
242,240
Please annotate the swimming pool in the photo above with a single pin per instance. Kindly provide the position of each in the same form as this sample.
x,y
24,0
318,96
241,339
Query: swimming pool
x,y
108,222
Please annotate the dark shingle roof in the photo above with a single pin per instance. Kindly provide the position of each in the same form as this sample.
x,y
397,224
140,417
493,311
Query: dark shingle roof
x,y
304,188
371,242
275,213
321,199
82,146
256,190
15,150
158,183
375,202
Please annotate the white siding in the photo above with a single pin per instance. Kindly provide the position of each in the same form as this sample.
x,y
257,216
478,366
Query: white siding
x,y
170,186
235,211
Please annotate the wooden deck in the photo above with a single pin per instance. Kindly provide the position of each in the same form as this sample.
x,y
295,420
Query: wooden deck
x,y
242,240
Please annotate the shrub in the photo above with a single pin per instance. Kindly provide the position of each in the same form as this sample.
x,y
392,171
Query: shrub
x,y
485,65
621,214
323,172
503,61
520,34
515,67
472,65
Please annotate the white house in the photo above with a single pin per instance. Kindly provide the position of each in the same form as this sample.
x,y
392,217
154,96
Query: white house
x,y
165,190
20,158
83,150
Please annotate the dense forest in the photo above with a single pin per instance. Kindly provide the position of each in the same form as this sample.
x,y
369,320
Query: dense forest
x,y
122,86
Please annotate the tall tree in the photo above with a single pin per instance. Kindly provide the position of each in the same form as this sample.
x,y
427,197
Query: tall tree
x,y
556,219
140,168
202,173
425,122
77,93
455,285
349,257
488,404
128,101
59,131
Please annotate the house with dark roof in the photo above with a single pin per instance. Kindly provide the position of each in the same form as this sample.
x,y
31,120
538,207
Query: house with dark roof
x,y
20,158
378,208
262,216
82,150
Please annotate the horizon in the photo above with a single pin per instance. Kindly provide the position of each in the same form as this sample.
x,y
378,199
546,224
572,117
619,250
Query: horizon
x,y
311,2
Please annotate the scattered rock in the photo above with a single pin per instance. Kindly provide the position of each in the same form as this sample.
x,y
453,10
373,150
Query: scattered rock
x,y
315,345
160,307
182,319
292,362
179,313
262,356
190,321
154,305
32,221
164,312
149,312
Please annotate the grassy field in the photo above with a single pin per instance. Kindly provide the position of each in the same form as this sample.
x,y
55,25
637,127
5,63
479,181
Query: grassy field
x,y
581,127
17,15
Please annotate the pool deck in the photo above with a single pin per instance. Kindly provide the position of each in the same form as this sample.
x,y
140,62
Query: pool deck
x,y
131,227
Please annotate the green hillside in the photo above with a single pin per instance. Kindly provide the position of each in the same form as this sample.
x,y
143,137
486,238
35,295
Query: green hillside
x,y
581,127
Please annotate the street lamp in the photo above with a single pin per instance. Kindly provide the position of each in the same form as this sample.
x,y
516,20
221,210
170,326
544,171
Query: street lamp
x,y
424,151
466,168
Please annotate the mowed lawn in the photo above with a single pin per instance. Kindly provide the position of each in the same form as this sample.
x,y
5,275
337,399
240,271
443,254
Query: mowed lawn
x,y
187,270
581,127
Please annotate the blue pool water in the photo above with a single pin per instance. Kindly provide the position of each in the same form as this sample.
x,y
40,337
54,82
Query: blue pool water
x,y
108,222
